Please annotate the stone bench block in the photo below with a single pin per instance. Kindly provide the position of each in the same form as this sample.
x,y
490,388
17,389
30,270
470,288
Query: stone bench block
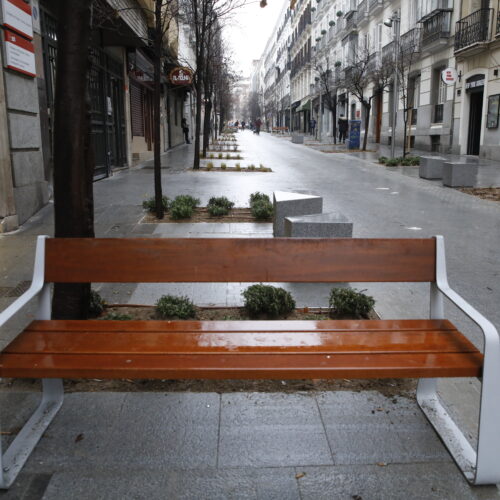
x,y
290,204
297,139
329,225
457,174
431,167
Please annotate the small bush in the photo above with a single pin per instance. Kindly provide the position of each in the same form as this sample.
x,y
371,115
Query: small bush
x,y
392,162
183,206
219,206
382,159
228,156
220,156
410,161
239,157
172,307
237,167
258,196
209,165
117,316
96,305
262,210
266,300
350,302
223,166
150,205
211,156
251,167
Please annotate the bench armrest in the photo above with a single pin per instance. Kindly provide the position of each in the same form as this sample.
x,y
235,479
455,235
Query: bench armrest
x,y
36,287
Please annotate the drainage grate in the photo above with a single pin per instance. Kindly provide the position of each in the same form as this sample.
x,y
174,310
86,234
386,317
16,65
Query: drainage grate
x,y
14,291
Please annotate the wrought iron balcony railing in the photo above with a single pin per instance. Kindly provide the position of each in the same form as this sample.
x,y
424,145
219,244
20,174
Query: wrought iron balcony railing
x,y
474,28
410,41
436,26
375,4
498,22
388,53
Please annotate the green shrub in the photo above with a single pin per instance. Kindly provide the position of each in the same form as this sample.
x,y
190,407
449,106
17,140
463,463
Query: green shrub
x,y
211,156
220,156
223,166
219,206
228,156
382,159
262,210
258,196
350,302
411,161
172,307
251,167
209,165
237,167
117,316
266,300
183,206
392,162
150,205
96,305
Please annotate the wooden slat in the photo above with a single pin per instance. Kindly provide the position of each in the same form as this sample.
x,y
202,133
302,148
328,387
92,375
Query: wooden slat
x,y
224,260
118,337
252,366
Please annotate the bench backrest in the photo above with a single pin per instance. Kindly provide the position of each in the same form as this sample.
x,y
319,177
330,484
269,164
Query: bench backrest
x,y
225,260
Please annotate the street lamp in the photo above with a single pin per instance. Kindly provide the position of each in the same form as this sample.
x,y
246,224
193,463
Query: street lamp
x,y
395,21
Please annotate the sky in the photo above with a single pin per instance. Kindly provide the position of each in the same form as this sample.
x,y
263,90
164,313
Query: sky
x,y
248,32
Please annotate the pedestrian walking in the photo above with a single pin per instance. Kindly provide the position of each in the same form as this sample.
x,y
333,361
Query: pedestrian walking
x,y
185,129
258,124
343,126
312,125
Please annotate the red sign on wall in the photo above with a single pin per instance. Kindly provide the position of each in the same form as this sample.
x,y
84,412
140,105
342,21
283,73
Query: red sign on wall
x,y
19,54
181,76
16,15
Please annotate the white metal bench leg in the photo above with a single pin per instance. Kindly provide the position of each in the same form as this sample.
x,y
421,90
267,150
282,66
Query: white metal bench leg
x,y
20,449
481,466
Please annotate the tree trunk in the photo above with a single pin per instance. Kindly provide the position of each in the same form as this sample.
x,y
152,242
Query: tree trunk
x,y
156,110
197,132
334,124
73,153
368,108
206,124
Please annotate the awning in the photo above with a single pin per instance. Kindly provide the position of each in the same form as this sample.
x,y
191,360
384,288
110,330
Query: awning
x,y
306,106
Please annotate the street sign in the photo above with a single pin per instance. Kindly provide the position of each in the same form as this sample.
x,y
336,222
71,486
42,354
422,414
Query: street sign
x,y
16,15
181,76
19,54
449,76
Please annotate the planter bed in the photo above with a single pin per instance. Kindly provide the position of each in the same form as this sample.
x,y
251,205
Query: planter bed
x,y
201,215
234,169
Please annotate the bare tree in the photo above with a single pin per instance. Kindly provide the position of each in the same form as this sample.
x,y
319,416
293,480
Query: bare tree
x,y
329,81
363,71
404,60
73,153
254,110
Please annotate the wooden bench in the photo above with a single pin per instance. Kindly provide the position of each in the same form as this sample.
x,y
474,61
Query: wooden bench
x,y
416,348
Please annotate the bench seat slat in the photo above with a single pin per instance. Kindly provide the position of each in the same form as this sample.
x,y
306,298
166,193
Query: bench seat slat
x,y
119,337
190,349
252,366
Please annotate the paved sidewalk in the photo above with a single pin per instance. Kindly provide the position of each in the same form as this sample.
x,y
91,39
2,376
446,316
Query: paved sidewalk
x,y
310,445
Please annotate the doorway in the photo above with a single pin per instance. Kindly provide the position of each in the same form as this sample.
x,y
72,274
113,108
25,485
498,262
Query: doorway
x,y
475,122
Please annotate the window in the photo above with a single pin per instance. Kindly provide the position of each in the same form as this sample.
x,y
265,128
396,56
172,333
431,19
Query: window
x,y
439,95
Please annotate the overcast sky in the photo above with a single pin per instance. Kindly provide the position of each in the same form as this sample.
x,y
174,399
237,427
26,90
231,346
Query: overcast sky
x,y
249,31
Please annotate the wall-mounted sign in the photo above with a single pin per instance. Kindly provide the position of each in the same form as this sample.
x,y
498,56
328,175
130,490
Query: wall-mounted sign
x,y
474,84
449,76
16,15
19,54
493,109
181,76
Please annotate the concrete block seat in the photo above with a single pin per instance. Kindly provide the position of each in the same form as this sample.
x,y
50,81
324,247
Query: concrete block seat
x,y
290,204
431,167
297,139
329,225
459,174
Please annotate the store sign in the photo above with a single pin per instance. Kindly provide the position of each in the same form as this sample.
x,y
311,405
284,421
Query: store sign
x,y
181,76
474,84
16,15
449,76
19,54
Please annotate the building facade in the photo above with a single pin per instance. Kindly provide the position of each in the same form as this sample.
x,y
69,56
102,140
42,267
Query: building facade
x,y
434,113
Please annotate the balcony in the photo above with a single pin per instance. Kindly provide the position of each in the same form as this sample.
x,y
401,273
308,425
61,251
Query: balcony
x,y
498,22
374,62
375,6
363,15
351,24
436,31
410,41
388,53
473,32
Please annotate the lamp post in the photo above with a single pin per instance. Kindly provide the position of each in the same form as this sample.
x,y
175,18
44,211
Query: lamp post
x,y
394,21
